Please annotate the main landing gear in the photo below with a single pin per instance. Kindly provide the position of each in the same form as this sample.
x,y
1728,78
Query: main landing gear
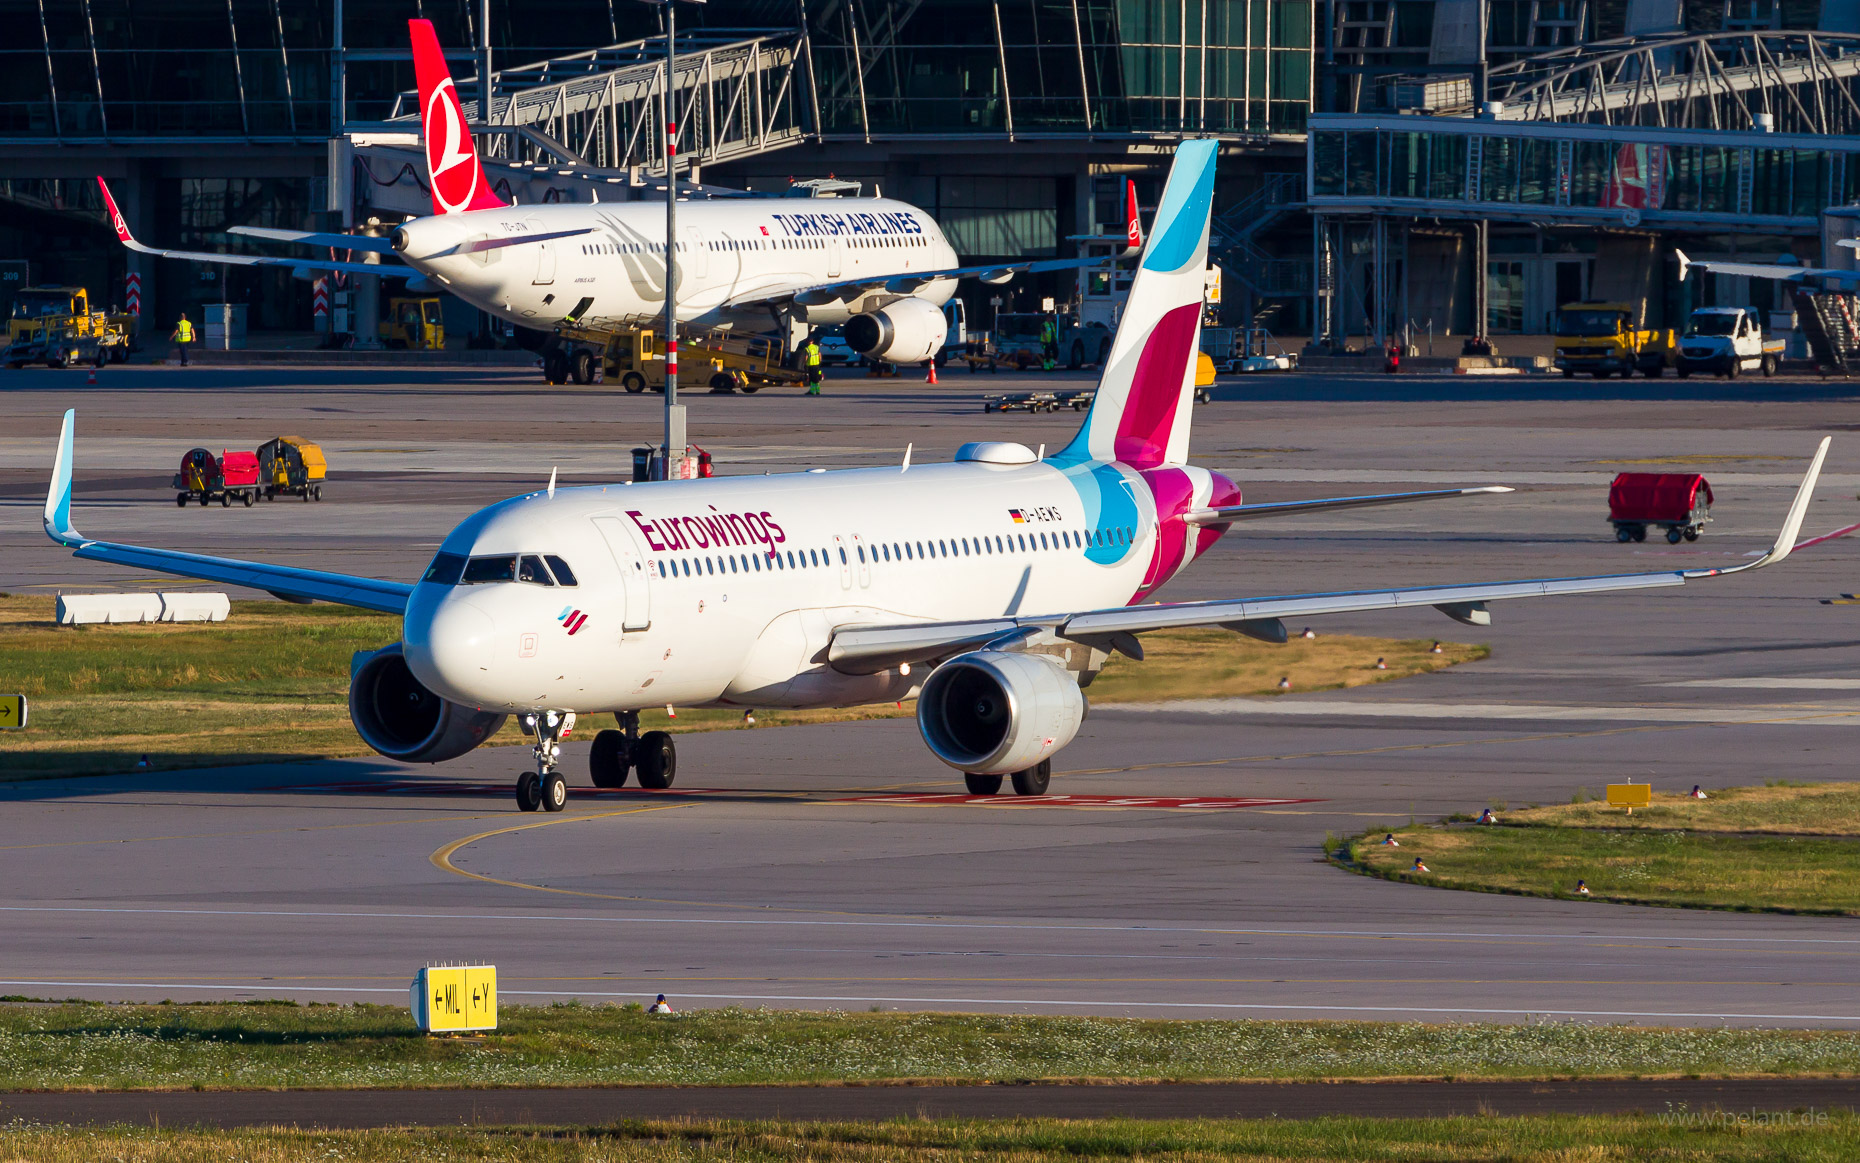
x,y
653,755
1031,782
545,788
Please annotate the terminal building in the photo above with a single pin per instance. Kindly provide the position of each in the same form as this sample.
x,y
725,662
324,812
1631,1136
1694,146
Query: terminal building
x,y
1014,122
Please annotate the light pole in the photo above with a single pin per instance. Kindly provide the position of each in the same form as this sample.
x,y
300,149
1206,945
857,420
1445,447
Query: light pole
x,y
673,452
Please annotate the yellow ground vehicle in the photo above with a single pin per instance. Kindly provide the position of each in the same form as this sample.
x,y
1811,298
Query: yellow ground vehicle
x,y
1600,338
291,466
55,326
414,324
723,361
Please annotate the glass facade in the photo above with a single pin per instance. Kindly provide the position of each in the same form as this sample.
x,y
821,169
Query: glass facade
x,y
1585,173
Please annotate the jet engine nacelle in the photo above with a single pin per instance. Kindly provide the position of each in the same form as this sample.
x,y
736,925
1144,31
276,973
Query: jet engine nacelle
x,y
400,718
907,331
993,713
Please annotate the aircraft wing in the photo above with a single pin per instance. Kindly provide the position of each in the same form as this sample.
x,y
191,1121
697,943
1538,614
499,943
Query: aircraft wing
x,y
906,283
869,649
287,582
1226,514
385,270
316,238
1762,270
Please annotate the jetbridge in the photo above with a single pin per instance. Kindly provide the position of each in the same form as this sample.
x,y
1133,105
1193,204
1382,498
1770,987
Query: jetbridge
x,y
588,126
1589,166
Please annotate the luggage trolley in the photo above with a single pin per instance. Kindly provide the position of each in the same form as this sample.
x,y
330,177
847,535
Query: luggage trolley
x,y
1679,502
229,477
291,466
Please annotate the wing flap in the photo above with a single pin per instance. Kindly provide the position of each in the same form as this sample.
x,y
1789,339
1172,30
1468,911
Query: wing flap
x,y
1224,514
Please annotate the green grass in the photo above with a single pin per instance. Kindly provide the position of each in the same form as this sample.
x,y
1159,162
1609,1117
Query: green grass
x,y
1777,848
271,684
113,1047
1813,1137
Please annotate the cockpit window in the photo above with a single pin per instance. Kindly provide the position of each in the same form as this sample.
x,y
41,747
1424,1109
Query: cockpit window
x,y
445,569
490,569
563,575
530,569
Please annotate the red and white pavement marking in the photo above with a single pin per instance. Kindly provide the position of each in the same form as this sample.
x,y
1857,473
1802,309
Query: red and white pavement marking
x,y
903,799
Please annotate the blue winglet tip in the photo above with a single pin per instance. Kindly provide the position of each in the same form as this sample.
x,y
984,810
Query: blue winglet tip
x,y
58,496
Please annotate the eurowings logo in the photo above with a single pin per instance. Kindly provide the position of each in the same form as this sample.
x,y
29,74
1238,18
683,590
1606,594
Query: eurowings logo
x,y
571,619
449,156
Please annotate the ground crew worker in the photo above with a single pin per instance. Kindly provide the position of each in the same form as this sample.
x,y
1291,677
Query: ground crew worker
x,y
1049,345
810,355
183,335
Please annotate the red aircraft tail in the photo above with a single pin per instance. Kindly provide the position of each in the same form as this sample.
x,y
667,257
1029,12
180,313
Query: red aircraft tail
x,y
451,159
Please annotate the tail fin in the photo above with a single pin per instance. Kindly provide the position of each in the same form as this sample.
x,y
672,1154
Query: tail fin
x,y
1140,415
1133,227
451,158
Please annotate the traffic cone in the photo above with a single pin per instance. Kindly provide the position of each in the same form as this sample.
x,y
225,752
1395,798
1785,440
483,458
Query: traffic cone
x,y
931,378
1582,888
1418,866
92,377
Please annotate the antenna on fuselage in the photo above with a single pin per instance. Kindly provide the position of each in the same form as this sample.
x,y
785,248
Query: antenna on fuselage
x,y
1040,455
552,480
907,458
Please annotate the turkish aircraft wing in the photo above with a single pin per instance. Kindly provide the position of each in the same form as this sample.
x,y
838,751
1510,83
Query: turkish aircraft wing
x,y
287,582
1760,270
386,270
1225,514
316,238
869,649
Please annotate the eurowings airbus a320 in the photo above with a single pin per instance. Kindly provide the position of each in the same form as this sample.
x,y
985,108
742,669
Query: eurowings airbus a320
x,y
877,264
991,588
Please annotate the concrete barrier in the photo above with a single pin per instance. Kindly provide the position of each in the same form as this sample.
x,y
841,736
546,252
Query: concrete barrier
x,y
85,609
194,607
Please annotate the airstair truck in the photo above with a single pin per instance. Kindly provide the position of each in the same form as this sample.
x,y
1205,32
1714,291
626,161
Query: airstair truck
x,y
1726,341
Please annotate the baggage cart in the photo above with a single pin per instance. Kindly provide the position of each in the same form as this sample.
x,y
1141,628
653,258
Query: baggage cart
x,y
1021,402
291,466
229,477
1678,502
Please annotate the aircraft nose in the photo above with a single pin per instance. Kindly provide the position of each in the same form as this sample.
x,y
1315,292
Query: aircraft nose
x,y
451,649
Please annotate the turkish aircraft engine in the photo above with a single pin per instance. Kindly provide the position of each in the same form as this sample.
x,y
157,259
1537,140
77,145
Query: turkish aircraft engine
x,y
994,713
907,331
400,718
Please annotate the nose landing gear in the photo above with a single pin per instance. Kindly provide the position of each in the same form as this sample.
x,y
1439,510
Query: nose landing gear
x,y
545,788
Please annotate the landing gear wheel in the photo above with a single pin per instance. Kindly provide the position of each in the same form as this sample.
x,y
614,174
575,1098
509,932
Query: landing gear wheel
x,y
1033,781
1674,535
608,761
554,792
581,366
655,757
981,785
529,791
633,382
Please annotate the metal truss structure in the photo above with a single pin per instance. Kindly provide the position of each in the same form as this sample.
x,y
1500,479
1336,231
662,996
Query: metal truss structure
x,y
603,109
1806,82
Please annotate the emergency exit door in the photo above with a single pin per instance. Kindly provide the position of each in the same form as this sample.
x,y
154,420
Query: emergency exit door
x,y
623,543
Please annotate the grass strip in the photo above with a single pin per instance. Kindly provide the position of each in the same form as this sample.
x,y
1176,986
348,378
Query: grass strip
x,y
1778,848
230,1046
271,684
1805,1137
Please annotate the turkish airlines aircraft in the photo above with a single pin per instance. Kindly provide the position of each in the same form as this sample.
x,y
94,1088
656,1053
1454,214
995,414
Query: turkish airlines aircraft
x,y
879,264
991,589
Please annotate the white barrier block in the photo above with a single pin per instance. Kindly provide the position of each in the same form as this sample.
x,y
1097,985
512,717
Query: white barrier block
x,y
83,609
192,607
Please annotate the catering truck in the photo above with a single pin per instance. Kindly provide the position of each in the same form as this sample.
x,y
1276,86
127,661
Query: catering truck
x,y
1726,341
1601,339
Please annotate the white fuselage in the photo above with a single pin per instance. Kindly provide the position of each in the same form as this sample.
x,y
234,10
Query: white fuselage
x,y
734,257
729,590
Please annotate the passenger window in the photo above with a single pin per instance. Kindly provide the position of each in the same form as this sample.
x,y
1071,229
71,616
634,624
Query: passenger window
x,y
564,576
445,569
861,554
732,562
843,558
480,570
530,569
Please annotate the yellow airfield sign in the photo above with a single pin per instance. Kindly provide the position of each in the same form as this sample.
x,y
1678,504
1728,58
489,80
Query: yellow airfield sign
x,y
454,998
12,712
1630,795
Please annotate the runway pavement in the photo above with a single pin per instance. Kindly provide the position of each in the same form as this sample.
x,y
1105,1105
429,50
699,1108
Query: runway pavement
x,y
1176,870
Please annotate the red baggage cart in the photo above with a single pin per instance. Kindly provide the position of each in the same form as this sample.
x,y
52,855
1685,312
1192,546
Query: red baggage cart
x,y
232,476
1679,502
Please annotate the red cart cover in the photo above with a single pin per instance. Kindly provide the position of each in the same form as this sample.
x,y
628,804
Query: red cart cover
x,y
239,468
1657,496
